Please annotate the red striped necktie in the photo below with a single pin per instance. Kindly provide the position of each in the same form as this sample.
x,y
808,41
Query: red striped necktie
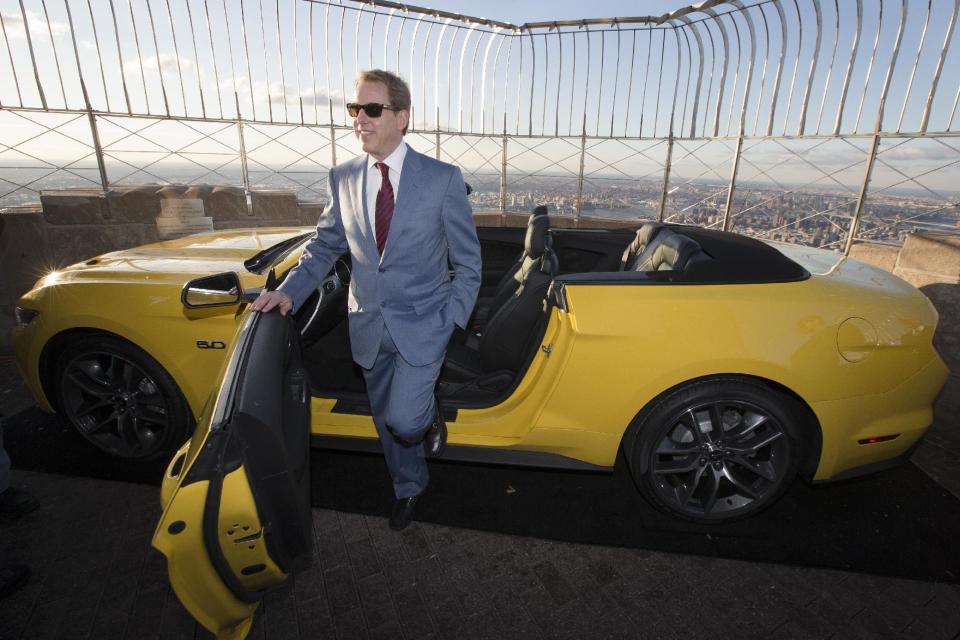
x,y
384,206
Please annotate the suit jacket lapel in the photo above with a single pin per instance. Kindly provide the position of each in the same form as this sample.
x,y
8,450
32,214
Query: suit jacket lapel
x,y
410,179
356,184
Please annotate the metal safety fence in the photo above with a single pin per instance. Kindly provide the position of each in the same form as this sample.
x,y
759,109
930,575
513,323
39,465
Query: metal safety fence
x,y
812,121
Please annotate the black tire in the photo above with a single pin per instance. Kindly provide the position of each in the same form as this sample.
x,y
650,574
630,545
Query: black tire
x,y
120,399
717,450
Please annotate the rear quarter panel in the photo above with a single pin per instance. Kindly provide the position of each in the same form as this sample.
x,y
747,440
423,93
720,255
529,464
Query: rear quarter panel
x,y
633,342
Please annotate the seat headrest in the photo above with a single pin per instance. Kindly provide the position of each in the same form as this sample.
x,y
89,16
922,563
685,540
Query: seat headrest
x,y
536,239
673,252
645,235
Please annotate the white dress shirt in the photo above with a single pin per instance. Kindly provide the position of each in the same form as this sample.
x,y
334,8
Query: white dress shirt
x,y
395,162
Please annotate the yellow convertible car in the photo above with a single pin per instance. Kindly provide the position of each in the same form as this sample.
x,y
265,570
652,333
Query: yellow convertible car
x,y
721,365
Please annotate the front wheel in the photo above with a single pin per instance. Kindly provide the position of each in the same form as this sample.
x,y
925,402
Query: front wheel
x,y
717,450
120,399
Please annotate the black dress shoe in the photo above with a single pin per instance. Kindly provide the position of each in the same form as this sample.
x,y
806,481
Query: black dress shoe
x,y
435,440
402,514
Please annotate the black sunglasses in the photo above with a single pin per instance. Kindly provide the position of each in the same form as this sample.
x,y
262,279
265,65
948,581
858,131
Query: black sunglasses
x,y
372,109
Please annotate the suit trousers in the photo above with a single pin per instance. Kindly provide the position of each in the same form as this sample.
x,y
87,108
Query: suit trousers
x,y
403,405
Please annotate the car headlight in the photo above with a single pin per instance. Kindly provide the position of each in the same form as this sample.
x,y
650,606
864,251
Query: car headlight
x,y
24,316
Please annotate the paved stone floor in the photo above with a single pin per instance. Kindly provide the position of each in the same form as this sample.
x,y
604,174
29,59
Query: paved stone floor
x,y
96,576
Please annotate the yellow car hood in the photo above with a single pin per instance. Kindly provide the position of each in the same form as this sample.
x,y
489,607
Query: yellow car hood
x,y
192,255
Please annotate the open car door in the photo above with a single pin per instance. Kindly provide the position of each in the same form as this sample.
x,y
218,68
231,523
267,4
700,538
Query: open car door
x,y
236,497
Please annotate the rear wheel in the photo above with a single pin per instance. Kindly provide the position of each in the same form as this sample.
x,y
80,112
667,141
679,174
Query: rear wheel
x,y
120,399
717,450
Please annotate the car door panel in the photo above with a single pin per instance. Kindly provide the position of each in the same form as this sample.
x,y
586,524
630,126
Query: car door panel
x,y
237,512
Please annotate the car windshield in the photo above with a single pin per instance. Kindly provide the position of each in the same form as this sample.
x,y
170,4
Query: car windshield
x,y
274,254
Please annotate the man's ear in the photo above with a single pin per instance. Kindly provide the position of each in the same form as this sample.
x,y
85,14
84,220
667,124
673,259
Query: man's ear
x,y
403,118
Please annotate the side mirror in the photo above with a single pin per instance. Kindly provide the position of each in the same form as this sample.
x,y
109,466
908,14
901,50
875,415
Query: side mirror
x,y
220,290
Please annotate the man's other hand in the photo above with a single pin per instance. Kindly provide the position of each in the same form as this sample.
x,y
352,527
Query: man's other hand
x,y
270,299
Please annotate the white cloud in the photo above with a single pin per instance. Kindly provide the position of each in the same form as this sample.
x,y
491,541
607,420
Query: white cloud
x,y
37,23
168,64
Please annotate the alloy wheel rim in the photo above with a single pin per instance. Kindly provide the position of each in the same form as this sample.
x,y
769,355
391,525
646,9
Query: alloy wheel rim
x,y
719,458
115,404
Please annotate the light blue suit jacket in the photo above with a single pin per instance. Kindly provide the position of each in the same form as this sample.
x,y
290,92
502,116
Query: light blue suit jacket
x,y
409,290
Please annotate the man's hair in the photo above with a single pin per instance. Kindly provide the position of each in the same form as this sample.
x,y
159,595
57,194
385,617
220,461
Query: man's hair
x,y
397,89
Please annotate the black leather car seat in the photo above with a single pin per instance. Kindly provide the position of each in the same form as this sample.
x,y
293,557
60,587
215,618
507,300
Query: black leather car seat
x,y
505,342
669,251
538,225
645,235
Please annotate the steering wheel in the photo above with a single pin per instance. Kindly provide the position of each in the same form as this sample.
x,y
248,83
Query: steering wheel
x,y
327,305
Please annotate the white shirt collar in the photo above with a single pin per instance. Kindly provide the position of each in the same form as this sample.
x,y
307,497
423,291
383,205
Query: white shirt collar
x,y
394,160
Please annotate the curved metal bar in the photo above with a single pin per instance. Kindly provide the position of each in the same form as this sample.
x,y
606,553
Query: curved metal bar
x,y
343,84
413,47
936,76
873,58
403,25
505,81
373,28
213,55
436,74
855,50
136,41
796,66
56,56
246,55
483,83
493,99
546,65
313,67
233,71
573,81
296,54
156,49
766,59
696,95
196,60
449,71
813,65
356,45
753,49
473,68
633,55
646,81
784,43
736,74
176,52
96,42
533,77
423,70
556,121
266,63
713,64
893,64
386,40
656,109
726,64
519,79
686,91
603,54
76,55
913,72
116,36
586,90
615,83
283,75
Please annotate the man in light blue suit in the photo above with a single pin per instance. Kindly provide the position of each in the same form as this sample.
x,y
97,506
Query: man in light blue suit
x,y
405,219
